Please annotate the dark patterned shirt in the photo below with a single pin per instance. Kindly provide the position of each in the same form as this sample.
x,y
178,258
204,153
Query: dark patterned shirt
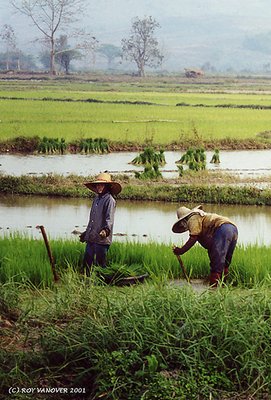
x,y
101,217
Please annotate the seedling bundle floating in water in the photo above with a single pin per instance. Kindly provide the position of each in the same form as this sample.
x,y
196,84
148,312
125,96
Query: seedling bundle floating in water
x,y
151,160
149,156
195,159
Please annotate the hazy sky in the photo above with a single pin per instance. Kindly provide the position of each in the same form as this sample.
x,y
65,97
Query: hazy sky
x,y
219,26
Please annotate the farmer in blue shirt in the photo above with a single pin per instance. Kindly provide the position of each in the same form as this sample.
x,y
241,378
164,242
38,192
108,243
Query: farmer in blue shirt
x,y
214,232
98,234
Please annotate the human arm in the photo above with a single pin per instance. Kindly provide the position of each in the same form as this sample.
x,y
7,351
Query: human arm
x,y
178,251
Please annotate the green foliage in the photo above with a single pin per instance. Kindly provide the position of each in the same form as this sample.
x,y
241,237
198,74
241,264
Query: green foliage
x,y
72,186
74,119
97,145
151,171
52,146
26,260
215,158
194,158
180,170
150,156
151,341
151,160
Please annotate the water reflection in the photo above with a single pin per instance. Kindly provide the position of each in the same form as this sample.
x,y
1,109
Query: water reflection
x,y
141,221
251,162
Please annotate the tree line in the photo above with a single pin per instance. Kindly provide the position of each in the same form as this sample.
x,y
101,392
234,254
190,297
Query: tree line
x,y
57,22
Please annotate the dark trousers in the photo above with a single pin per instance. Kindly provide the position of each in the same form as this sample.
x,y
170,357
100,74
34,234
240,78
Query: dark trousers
x,y
224,242
95,254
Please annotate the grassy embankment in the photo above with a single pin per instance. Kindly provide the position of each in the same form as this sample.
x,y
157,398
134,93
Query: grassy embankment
x,y
194,187
151,341
111,111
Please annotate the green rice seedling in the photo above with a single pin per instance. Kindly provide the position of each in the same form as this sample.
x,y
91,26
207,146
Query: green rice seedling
x,y
100,145
86,146
150,156
23,260
215,157
180,170
151,171
71,119
62,146
97,145
52,145
194,158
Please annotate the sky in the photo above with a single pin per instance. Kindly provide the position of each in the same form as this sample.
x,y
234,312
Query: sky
x,y
192,32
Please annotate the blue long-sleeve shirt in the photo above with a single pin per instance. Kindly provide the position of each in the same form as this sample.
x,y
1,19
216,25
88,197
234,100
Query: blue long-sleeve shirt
x,y
101,217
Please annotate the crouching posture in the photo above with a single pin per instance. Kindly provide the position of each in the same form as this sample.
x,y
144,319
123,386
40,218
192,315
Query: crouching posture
x,y
98,235
214,232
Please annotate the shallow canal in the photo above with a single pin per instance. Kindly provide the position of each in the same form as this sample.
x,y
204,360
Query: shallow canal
x,y
140,221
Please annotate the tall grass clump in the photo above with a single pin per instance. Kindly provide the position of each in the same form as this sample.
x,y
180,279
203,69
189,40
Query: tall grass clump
x,y
152,341
24,260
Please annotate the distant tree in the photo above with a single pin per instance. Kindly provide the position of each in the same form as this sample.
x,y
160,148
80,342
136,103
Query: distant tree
x,y
142,47
50,16
64,54
8,37
44,58
110,52
17,60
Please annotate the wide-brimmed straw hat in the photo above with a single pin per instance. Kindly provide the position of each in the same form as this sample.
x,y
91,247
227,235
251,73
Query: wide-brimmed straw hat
x,y
105,178
182,213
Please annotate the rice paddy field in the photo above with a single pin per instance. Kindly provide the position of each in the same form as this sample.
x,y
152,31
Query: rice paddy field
x,y
132,114
89,337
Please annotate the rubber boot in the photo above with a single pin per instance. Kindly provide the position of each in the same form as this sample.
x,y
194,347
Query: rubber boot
x,y
214,279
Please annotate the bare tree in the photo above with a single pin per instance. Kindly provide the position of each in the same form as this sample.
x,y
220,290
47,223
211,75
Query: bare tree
x,y
8,37
89,45
142,47
50,16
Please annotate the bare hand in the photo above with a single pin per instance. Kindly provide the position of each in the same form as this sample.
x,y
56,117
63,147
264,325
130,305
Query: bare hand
x,y
176,250
82,237
102,234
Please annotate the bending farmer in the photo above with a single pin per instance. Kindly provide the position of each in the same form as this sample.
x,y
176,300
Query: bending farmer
x,y
98,234
214,232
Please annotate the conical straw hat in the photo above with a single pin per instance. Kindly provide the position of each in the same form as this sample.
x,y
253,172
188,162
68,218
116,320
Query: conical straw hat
x,y
182,213
104,177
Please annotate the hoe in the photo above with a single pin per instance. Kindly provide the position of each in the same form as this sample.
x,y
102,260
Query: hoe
x,y
51,258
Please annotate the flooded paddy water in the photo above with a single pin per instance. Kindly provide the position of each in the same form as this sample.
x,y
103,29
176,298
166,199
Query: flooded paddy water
x,y
142,221
134,220
244,163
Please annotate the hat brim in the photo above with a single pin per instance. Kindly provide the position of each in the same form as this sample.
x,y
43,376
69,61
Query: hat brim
x,y
177,227
115,187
